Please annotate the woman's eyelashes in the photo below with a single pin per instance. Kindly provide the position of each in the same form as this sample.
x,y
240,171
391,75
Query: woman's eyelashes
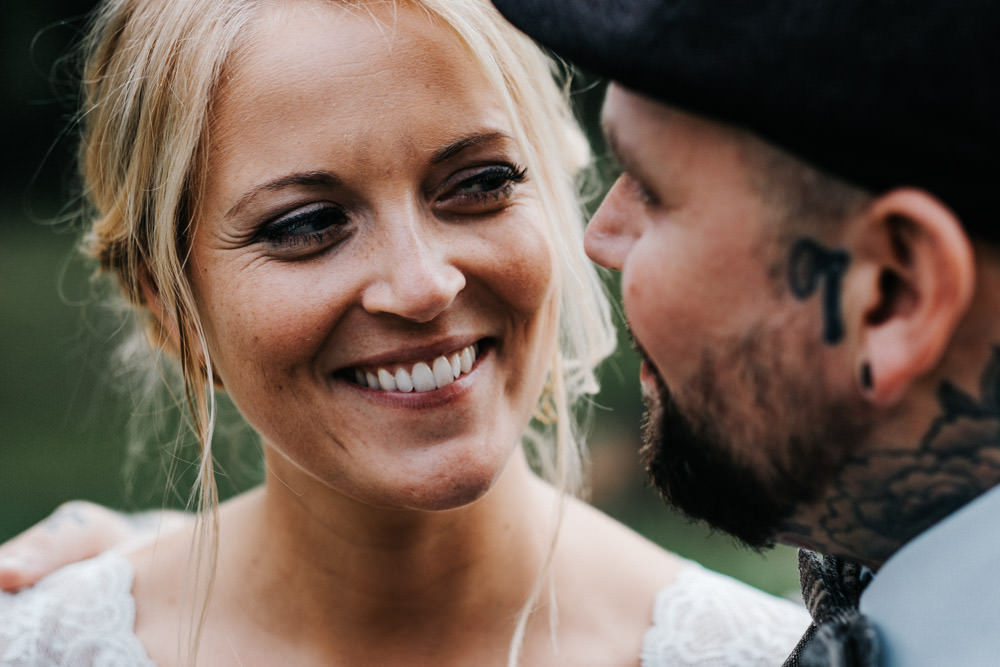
x,y
316,227
311,228
481,189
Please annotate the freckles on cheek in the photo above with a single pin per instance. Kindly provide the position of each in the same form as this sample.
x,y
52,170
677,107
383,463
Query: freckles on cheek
x,y
241,333
528,273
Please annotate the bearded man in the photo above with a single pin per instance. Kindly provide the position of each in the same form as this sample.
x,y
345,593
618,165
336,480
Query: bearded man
x,y
807,232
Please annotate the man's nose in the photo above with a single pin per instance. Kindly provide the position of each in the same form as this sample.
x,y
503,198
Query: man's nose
x,y
612,230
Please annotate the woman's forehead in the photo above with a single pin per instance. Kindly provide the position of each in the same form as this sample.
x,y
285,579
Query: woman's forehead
x,y
361,62
286,39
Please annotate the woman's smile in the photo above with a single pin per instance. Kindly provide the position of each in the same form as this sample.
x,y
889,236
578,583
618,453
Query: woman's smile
x,y
419,377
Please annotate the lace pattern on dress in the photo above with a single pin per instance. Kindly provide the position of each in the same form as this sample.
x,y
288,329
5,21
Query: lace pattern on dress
x,y
81,616
706,619
84,616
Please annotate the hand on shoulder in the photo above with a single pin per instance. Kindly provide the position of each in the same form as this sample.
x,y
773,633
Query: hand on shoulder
x,y
75,531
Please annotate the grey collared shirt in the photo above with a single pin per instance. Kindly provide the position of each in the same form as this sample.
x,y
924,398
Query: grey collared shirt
x,y
937,600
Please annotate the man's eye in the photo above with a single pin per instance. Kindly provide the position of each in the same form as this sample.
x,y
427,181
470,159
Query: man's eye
x,y
312,228
641,193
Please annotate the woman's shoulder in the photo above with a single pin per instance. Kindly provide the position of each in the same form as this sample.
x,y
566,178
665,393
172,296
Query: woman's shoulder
x,y
608,578
83,614
707,618
600,544
681,614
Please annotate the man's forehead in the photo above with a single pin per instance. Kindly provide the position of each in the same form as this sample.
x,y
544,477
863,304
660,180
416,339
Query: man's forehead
x,y
628,120
635,125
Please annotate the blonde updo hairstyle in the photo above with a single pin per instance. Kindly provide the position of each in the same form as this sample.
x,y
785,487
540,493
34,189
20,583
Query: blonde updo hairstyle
x,y
152,69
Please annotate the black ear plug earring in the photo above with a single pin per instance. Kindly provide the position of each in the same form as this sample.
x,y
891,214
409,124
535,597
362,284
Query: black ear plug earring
x,y
866,377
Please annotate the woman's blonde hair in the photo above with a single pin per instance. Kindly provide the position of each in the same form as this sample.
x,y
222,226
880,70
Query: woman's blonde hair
x,y
151,73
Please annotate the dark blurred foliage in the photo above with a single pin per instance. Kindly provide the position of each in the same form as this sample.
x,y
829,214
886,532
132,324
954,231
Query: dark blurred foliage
x,y
39,100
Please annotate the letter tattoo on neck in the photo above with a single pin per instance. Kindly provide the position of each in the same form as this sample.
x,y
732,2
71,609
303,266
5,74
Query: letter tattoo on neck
x,y
808,264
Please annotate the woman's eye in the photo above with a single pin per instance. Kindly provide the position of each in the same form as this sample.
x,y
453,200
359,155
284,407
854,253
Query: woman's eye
x,y
309,229
482,189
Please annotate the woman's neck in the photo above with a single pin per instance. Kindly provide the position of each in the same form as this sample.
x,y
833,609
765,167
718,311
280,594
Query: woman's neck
x,y
333,567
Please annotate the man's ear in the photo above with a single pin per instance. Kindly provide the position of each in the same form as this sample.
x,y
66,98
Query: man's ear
x,y
919,277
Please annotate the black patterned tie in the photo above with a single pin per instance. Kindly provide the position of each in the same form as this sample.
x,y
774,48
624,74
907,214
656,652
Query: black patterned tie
x,y
839,636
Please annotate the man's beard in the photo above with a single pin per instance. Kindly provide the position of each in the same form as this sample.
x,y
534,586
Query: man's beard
x,y
693,453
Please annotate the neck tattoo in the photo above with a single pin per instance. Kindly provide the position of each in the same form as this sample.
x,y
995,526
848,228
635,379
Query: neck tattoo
x,y
887,498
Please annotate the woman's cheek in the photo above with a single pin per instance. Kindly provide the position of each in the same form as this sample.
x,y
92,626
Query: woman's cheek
x,y
528,268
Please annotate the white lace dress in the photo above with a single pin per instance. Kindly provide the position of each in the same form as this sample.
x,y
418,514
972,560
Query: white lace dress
x,y
80,616
706,619
84,616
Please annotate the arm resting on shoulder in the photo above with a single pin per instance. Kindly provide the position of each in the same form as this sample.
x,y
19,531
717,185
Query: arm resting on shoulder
x,y
77,530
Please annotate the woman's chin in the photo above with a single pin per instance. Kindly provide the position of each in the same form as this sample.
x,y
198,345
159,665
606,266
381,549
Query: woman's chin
x,y
445,476
446,492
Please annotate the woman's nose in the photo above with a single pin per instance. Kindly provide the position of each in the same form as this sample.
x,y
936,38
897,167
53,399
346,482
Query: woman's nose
x,y
612,231
415,277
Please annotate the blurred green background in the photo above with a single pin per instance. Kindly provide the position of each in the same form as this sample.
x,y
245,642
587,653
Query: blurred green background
x,y
64,426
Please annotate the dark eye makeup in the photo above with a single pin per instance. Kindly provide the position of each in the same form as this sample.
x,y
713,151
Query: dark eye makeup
x,y
481,189
317,225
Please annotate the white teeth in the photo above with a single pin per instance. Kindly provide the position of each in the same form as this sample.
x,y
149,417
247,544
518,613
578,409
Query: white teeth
x,y
423,376
442,372
387,380
404,382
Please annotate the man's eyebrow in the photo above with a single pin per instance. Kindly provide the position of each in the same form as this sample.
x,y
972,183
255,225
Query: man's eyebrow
x,y
306,179
456,147
611,139
615,147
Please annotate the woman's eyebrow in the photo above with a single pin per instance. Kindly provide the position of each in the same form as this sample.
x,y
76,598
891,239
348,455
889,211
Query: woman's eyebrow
x,y
460,145
306,178
326,179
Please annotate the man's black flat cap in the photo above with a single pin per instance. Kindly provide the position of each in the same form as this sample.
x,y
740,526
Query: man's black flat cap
x,y
882,93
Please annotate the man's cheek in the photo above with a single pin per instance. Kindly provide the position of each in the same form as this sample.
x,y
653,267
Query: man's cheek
x,y
648,320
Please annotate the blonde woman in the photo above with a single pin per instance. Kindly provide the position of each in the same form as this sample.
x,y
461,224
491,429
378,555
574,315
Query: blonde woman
x,y
358,219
